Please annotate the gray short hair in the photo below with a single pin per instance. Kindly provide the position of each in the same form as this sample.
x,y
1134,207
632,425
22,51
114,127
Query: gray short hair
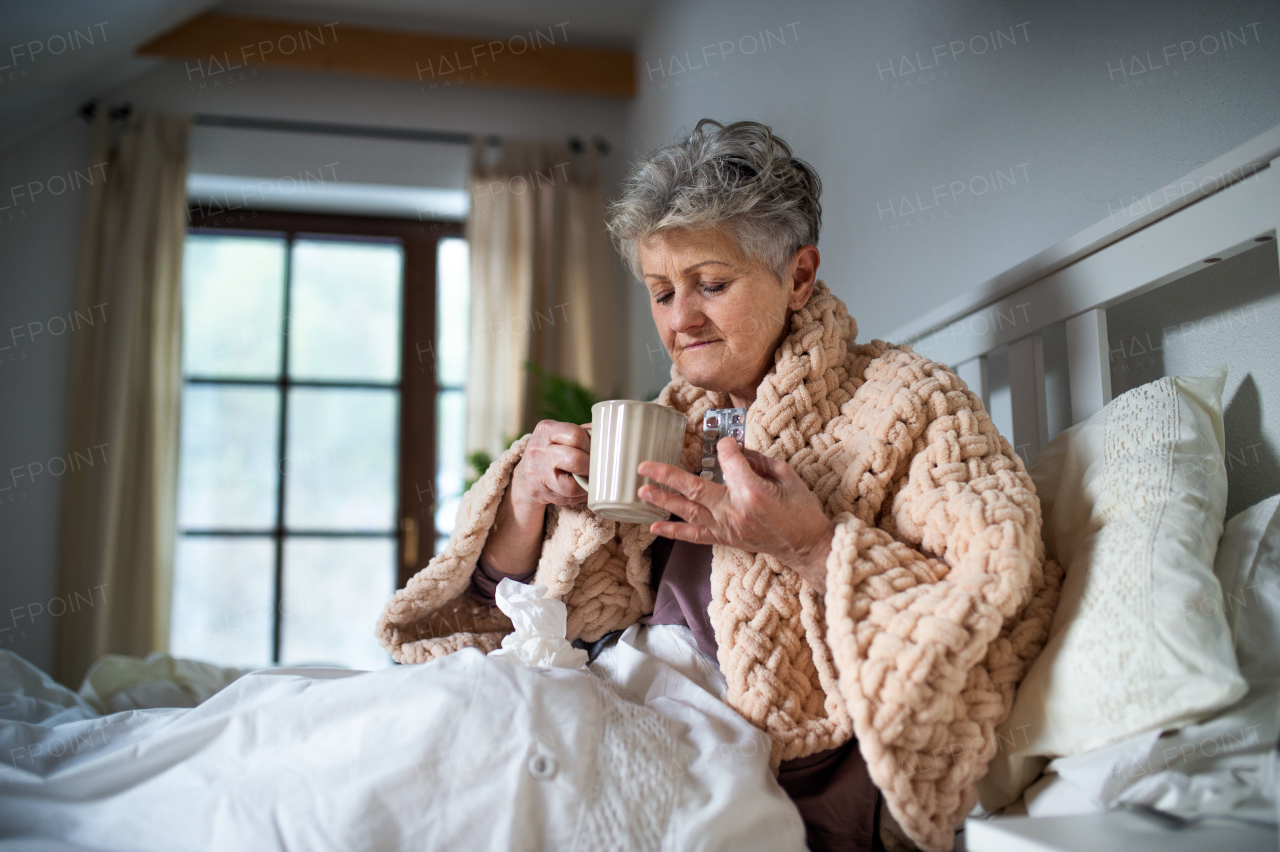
x,y
740,177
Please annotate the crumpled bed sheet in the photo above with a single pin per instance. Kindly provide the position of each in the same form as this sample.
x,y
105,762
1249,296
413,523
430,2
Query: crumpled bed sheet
x,y
464,753
1223,766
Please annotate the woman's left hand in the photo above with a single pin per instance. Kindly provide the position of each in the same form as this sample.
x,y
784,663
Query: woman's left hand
x,y
764,507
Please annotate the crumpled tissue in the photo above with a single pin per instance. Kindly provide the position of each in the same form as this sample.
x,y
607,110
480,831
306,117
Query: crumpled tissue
x,y
540,623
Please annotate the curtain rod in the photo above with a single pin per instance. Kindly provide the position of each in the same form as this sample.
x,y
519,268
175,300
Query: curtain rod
x,y
89,109
364,130
332,129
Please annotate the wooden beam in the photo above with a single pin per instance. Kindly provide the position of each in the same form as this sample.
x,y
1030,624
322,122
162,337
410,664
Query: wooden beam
x,y
212,45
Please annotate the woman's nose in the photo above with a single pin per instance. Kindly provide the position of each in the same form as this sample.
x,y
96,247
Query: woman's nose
x,y
686,314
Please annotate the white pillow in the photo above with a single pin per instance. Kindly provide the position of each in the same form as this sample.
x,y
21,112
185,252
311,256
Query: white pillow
x,y
1248,567
1133,501
1219,765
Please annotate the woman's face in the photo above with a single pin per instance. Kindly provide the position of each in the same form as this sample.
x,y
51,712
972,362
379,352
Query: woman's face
x,y
721,315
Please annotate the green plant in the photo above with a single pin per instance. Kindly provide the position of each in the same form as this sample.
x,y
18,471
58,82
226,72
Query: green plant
x,y
559,398
478,461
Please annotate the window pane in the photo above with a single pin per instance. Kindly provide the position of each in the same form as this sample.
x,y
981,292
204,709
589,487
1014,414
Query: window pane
x,y
344,309
222,593
232,304
334,590
447,514
340,465
453,311
226,474
451,468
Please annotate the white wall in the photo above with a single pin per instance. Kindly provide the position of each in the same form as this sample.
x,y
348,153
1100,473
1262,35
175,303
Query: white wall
x,y
1227,313
39,238
39,234
1050,110
233,167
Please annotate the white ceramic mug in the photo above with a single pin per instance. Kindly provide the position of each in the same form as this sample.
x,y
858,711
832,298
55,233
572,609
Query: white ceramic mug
x,y
625,432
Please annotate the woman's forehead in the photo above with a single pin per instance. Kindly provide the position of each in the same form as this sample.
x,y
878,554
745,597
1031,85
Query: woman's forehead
x,y
680,252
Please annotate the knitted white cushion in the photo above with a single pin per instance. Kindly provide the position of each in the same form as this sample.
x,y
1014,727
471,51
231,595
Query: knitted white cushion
x,y
1133,501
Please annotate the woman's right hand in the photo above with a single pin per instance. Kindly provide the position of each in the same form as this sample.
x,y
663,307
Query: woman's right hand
x,y
542,476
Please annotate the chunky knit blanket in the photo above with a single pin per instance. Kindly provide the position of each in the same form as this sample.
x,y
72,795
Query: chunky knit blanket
x,y
938,593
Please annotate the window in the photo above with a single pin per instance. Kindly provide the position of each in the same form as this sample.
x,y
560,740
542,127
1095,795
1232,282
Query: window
x,y
308,429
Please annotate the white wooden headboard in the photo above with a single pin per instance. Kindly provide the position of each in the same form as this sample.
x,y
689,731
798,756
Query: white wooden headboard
x,y
1224,208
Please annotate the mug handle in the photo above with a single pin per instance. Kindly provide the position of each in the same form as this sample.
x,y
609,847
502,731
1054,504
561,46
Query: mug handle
x,y
579,478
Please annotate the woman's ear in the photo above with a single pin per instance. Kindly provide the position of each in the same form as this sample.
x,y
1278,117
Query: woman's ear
x,y
804,274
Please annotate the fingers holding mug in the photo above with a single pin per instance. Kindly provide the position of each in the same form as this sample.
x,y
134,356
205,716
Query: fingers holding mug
x,y
570,457
570,466
545,472
558,432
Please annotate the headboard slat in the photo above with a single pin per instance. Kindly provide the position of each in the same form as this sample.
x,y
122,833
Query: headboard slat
x,y
977,376
1089,363
1027,396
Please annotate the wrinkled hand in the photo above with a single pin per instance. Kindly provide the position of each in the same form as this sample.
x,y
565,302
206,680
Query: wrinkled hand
x,y
541,477
763,507
543,473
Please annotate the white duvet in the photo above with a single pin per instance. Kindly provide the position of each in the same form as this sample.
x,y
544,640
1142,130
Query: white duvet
x,y
465,753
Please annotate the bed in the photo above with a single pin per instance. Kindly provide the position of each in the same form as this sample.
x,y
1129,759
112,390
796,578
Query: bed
x,y
469,752
639,752
1035,343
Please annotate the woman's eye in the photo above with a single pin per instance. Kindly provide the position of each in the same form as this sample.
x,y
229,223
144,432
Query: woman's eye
x,y
709,288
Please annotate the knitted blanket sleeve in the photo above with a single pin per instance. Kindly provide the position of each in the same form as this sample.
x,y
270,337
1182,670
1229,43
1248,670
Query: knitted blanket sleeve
x,y
938,594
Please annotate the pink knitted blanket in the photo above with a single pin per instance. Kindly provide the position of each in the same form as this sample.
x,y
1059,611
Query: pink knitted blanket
x,y
938,594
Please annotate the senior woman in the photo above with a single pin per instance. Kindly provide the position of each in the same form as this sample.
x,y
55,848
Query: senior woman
x,y
870,576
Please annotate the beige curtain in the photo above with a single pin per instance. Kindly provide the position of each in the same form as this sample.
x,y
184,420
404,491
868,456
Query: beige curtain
x,y
118,518
541,282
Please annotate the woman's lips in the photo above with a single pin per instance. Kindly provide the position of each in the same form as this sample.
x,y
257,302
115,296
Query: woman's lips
x,y
699,344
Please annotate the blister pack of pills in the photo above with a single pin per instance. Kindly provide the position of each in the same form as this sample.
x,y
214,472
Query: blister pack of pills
x,y
718,423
